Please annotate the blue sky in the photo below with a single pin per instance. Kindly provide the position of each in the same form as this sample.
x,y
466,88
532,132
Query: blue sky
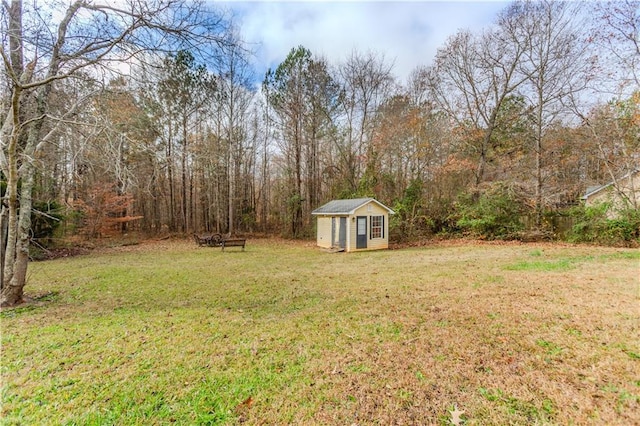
x,y
407,33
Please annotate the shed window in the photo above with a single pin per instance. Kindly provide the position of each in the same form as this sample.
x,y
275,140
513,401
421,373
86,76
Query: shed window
x,y
377,227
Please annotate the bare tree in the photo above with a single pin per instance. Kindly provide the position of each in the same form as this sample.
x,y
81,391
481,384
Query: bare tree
x,y
44,45
556,68
234,104
263,111
616,29
367,81
472,77
612,127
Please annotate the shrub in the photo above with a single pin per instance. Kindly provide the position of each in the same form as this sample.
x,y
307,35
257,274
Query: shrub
x,y
410,220
493,211
422,212
599,224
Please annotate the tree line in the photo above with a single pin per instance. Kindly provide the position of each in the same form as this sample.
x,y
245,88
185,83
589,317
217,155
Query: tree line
x,y
163,126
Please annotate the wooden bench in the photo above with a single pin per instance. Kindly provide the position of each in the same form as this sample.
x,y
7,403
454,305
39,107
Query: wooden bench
x,y
238,242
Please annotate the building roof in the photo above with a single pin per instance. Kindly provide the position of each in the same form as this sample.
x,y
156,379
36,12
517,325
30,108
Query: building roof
x,y
595,189
346,207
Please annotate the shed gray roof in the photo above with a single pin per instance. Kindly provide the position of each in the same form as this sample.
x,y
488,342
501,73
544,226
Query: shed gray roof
x,y
346,206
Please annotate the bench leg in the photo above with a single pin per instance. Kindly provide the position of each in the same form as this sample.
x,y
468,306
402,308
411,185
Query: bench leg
x,y
233,244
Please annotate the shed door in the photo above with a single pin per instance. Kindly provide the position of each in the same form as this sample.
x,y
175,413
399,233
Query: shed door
x,y
342,233
361,236
333,232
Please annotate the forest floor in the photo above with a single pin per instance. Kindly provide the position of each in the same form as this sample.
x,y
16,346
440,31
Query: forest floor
x,y
448,333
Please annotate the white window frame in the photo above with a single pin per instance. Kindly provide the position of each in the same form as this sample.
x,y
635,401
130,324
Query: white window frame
x,y
377,230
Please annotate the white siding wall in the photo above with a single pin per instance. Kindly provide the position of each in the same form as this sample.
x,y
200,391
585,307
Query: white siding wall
x,y
368,210
324,231
352,229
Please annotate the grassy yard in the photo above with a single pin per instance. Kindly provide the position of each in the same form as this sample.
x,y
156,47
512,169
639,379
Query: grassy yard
x,y
171,333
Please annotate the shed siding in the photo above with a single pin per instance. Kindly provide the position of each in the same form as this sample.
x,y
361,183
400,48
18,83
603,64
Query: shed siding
x,y
368,210
324,231
351,234
378,243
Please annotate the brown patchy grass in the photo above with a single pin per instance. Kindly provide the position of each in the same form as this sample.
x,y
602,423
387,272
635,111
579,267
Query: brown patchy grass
x,y
285,334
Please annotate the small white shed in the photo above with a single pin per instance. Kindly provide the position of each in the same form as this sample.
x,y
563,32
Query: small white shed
x,y
353,225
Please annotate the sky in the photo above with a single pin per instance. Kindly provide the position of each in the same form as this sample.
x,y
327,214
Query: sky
x,y
406,33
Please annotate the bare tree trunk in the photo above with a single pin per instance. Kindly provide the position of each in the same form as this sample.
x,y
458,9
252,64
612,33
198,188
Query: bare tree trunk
x,y
538,154
12,291
183,205
265,193
172,196
4,227
231,200
264,189
19,221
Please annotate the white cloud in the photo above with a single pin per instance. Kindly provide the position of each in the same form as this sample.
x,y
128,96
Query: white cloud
x,y
407,33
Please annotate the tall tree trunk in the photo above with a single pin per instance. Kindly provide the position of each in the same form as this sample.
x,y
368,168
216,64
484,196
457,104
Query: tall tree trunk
x,y
538,153
4,228
172,196
264,189
19,202
184,202
12,291
11,294
231,199
297,201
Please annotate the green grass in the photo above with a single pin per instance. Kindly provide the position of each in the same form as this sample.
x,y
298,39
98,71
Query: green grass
x,y
169,333
569,262
562,264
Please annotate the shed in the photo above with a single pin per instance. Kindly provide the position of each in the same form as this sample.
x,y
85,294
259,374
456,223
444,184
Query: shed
x,y
353,225
622,193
